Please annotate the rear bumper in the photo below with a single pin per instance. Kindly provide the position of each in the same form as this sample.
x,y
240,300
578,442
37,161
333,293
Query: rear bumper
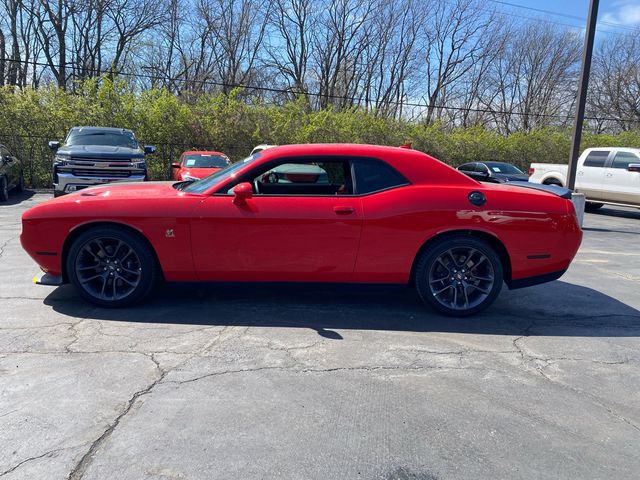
x,y
536,280
68,182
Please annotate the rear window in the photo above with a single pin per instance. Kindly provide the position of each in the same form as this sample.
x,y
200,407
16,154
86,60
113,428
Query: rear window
x,y
597,158
375,175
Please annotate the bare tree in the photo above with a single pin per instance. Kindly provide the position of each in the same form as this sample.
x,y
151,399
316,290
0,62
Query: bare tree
x,y
615,87
453,41
293,23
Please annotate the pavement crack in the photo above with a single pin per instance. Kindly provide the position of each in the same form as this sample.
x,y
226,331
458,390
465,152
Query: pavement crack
x,y
31,459
83,464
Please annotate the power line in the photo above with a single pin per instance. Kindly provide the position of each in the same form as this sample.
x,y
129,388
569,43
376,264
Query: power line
x,y
355,100
566,15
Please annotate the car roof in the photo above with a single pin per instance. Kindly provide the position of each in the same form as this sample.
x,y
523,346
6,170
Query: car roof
x,y
620,149
416,166
88,129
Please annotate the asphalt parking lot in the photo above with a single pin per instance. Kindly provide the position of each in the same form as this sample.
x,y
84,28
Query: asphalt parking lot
x,y
311,382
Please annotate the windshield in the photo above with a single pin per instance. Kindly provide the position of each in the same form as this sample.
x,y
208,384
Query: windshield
x,y
504,168
109,139
203,160
220,176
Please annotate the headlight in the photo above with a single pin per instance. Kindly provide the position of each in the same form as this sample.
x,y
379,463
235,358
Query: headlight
x,y
61,159
141,164
189,178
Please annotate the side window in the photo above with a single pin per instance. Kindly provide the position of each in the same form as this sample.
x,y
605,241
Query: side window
x,y
375,175
623,159
305,178
467,167
596,158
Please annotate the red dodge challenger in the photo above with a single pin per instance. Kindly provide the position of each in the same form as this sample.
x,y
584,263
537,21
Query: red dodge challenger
x,y
310,213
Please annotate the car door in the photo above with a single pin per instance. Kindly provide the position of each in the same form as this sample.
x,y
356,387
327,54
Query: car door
x,y
621,185
302,223
590,174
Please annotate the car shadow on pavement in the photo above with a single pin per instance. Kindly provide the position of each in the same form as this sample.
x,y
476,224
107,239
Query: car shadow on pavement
x,y
631,213
554,309
18,197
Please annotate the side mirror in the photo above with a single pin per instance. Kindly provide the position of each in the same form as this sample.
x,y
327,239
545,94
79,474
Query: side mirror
x,y
175,165
634,167
148,149
242,192
54,145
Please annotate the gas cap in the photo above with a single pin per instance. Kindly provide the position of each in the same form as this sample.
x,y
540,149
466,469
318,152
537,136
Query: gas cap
x,y
477,198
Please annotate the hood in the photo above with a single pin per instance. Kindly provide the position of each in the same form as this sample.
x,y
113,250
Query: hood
x,y
100,151
199,172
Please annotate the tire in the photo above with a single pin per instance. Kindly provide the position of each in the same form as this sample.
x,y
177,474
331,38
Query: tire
x,y
555,182
592,206
57,193
20,185
112,267
458,275
4,189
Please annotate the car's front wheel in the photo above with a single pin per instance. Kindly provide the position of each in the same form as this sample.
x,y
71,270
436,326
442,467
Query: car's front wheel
x,y
459,275
112,266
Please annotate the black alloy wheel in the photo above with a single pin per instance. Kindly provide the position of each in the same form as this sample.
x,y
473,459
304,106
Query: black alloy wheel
x,y
459,275
112,266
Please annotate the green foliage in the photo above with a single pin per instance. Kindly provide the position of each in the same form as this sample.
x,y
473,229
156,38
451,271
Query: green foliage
x,y
230,124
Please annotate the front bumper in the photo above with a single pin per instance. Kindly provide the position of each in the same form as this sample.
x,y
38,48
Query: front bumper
x,y
68,182
48,279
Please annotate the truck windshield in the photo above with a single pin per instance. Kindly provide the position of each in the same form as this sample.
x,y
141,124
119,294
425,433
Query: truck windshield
x,y
220,176
109,139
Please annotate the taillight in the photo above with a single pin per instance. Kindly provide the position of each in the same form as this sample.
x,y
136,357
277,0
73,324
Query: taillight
x,y
531,171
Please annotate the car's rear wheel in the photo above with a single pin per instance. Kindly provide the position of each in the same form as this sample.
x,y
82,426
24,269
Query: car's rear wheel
x,y
112,266
20,185
459,275
593,206
4,189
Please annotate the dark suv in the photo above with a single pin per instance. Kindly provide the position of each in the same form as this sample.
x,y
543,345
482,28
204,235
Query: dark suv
x,y
95,155
11,174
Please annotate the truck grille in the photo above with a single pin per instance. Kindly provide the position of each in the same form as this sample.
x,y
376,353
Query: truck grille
x,y
89,160
106,172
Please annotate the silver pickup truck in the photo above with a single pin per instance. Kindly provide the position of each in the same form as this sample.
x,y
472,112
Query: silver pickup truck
x,y
96,155
605,175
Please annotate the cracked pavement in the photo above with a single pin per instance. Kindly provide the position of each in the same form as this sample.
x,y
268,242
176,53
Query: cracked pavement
x,y
317,382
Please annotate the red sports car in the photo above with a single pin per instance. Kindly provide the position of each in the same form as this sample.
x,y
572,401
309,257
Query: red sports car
x,y
197,165
310,213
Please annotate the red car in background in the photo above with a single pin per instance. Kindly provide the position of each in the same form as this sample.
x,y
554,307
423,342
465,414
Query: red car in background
x,y
198,164
310,213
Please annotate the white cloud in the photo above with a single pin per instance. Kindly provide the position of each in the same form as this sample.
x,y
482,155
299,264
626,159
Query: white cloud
x,y
625,13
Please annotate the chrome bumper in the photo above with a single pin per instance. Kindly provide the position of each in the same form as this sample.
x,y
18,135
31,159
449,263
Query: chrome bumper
x,y
68,182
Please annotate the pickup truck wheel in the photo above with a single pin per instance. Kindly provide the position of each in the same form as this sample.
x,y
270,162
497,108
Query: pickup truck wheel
x,y
111,267
459,276
592,206
4,189
553,181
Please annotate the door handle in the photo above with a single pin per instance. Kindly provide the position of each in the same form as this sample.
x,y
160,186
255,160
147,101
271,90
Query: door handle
x,y
343,210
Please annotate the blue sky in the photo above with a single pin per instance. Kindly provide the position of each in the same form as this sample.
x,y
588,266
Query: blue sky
x,y
613,15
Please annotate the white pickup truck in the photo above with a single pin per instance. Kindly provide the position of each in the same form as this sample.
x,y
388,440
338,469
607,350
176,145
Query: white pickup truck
x,y
604,175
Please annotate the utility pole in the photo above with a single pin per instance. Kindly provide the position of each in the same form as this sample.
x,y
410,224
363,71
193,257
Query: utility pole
x,y
582,93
